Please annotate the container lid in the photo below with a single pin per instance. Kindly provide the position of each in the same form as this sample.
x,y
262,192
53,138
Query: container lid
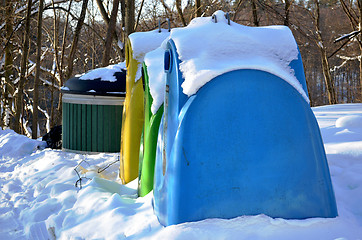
x,y
113,84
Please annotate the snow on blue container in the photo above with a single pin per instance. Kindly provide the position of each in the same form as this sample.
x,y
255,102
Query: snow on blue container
x,y
251,146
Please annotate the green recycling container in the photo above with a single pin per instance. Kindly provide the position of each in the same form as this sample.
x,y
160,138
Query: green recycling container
x,y
149,140
92,114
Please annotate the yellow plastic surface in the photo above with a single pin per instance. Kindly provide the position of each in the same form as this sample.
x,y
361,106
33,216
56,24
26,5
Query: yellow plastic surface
x,y
132,120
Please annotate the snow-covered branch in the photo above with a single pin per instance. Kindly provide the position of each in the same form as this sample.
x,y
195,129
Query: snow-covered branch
x,y
348,35
47,125
346,59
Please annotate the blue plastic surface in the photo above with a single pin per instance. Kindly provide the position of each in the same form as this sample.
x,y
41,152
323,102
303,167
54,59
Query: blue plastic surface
x,y
247,143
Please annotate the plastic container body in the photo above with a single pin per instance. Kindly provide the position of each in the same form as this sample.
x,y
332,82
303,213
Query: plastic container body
x,y
92,113
132,120
150,133
246,143
92,123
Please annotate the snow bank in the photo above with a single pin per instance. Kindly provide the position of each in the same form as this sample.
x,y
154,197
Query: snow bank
x,y
39,200
38,197
13,145
350,121
209,49
156,76
144,42
105,73
342,138
262,227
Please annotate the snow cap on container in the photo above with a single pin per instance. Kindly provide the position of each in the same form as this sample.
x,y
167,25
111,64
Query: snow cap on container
x,y
144,42
106,81
211,46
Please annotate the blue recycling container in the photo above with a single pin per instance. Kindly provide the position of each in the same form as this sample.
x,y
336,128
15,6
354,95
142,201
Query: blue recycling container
x,y
251,146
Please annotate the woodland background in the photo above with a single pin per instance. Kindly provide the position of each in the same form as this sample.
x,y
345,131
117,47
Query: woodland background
x,y
44,43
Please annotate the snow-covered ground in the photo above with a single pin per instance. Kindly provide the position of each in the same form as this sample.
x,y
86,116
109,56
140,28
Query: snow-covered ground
x,y
39,199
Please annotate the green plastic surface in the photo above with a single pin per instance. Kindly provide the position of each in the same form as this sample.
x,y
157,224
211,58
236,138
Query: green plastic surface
x,y
92,128
150,133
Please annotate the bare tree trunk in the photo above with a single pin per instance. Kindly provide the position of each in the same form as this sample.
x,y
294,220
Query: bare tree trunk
x,y
74,46
52,120
198,8
69,70
58,62
23,66
103,11
349,89
168,11
325,64
360,47
129,16
345,87
356,23
61,64
139,15
311,99
56,38
8,66
106,19
237,8
179,11
123,13
37,72
255,13
111,29
287,5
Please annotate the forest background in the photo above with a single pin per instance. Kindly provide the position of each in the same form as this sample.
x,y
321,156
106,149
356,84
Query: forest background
x,y
44,43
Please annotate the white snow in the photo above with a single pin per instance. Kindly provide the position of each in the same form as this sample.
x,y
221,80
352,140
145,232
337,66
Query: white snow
x,y
39,200
144,42
105,73
209,49
156,76
350,121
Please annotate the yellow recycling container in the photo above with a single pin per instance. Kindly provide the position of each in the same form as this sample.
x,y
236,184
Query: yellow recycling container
x,y
132,120
137,45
